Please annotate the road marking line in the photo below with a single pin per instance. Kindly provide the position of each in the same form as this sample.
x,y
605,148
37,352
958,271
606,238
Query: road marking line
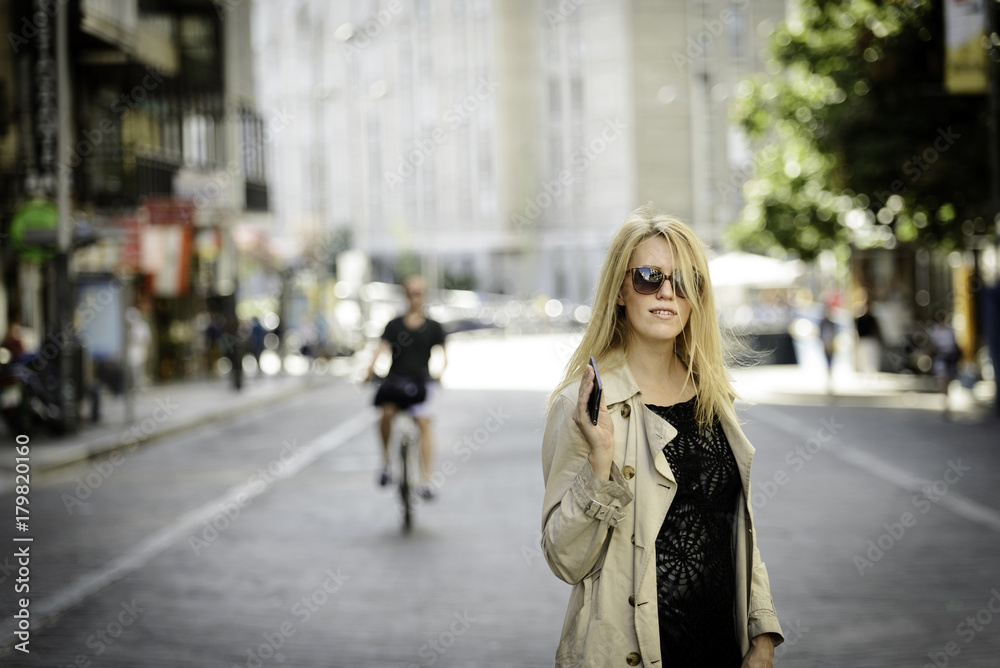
x,y
87,585
953,501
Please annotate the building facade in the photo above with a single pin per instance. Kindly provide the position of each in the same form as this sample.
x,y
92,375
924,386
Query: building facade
x,y
164,159
498,145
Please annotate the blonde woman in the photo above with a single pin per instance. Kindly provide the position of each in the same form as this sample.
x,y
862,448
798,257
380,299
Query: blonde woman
x,y
647,513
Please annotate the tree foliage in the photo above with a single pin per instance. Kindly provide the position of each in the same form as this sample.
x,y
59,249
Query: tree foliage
x,y
857,141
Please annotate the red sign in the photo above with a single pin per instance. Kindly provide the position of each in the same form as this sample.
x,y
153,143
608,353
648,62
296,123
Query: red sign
x,y
170,211
130,250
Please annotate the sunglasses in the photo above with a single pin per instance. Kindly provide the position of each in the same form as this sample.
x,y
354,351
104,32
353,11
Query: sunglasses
x,y
647,280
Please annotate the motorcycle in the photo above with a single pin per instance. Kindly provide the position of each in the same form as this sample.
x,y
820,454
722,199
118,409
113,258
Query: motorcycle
x,y
11,394
27,396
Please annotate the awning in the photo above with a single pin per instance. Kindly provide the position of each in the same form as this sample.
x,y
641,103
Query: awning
x,y
34,231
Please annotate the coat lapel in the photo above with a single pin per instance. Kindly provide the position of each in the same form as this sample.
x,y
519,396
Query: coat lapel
x,y
620,388
660,433
656,486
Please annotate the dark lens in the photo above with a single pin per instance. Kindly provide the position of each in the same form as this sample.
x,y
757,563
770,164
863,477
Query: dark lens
x,y
677,283
647,280
682,289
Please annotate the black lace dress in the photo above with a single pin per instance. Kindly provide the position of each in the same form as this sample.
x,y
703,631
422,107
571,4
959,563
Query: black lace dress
x,y
695,559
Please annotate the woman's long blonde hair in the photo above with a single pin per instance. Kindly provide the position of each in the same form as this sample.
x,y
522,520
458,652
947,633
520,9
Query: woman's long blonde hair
x,y
699,346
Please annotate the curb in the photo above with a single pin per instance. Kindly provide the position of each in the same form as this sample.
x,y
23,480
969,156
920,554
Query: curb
x,y
81,452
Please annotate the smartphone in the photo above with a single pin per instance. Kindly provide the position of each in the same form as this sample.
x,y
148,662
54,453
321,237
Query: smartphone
x,y
594,403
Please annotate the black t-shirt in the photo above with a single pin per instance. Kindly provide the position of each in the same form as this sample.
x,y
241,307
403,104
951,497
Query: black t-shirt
x,y
411,348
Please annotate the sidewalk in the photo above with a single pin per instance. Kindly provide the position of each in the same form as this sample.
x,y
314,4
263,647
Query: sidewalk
x,y
803,385
493,361
161,410
808,383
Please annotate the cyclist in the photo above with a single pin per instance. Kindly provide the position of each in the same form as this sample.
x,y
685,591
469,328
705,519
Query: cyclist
x,y
410,339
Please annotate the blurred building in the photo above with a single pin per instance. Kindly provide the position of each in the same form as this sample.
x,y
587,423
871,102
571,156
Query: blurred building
x,y
497,145
165,160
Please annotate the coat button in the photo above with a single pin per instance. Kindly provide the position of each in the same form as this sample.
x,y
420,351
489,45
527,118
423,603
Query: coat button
x,y
631,600
628,472
626,410
633,539
633,659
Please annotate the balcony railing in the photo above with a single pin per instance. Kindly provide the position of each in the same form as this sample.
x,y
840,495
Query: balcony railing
x,y
153,177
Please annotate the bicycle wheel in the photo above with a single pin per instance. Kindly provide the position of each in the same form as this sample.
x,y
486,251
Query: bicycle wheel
x,y
404,482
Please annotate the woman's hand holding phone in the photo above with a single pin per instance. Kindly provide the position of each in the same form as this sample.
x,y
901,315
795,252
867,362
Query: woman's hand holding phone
x,y
600,437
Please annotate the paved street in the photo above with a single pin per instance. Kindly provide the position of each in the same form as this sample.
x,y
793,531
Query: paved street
x,y
261,540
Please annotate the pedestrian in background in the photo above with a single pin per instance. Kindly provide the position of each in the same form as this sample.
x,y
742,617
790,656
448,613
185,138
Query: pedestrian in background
x,y
869,341
214,329
991,314
257,334
232,345
647,512
946,356
140,339
828,337
12,340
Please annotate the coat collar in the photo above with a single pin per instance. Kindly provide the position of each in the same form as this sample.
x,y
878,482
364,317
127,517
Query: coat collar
x,y
619,383
620,386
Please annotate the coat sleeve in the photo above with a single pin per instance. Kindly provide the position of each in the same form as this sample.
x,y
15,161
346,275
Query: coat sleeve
x,y
579,508
762,617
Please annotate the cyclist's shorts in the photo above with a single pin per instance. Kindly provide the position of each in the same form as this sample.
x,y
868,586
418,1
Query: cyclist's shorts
x,y
426,409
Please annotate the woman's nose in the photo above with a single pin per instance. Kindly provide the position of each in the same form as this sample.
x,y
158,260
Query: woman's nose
x,y
667,289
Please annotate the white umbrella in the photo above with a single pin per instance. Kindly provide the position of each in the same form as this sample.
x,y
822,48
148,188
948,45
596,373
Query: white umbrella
x,y
753,271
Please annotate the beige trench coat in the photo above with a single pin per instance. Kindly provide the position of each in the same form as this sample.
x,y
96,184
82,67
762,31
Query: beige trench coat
x,y
599,535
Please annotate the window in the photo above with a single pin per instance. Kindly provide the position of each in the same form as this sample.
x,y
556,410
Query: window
x,y
199,47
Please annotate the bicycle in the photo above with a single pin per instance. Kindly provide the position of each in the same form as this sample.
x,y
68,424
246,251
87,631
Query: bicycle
x,y
405,439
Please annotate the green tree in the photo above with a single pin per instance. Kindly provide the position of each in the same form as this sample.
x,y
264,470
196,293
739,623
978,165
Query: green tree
x,y
857,140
